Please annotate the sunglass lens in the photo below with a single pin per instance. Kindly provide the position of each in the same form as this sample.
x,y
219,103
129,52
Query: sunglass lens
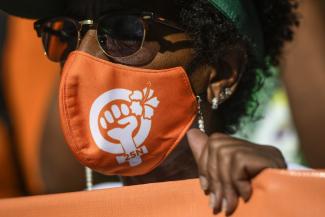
x,y
120,36
59,38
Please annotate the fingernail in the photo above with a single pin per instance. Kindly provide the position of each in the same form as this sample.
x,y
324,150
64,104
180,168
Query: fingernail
x,y
212,200
224,205
216,211
204,183
246,199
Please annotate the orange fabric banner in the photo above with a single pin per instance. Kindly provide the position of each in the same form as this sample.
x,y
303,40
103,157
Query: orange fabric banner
x,y
276,193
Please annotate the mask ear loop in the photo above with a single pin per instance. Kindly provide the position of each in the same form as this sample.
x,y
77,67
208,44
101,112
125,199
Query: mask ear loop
x,y
89,178
200,114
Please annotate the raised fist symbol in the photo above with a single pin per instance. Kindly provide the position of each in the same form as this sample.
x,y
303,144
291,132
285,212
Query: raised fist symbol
x,y
120,120
122,116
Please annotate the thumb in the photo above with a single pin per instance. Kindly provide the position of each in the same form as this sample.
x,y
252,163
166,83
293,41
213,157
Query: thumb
x,y
197,141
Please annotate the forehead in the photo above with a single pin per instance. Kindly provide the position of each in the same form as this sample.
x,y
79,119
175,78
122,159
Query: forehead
x,y
83,9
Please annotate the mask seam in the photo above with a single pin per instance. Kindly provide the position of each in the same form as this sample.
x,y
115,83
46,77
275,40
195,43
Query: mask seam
x,y
189,89
67,118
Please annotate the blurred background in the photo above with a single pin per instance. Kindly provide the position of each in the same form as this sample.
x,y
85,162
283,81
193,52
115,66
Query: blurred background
x,y
35,160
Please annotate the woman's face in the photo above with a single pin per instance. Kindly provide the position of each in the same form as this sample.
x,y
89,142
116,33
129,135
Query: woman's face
x,y
164,48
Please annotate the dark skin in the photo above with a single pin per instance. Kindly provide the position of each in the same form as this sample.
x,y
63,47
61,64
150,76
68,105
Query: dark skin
x,y
224,164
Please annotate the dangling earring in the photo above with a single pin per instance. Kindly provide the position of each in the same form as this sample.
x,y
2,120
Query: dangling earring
x,y
216,101
200,115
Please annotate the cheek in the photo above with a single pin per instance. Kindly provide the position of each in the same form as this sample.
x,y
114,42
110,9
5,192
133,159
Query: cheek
x,y
170,59
143,57
175,50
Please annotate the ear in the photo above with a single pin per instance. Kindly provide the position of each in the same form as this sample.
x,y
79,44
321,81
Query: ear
x,y
226,74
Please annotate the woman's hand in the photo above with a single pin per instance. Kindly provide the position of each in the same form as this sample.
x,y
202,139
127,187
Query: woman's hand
x,y
227,165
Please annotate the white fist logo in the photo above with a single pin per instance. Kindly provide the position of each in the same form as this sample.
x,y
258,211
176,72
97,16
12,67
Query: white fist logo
x,y
120,122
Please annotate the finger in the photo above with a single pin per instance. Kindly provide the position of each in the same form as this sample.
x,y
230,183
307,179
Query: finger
x,y
103,123
244,189
225,155
116,111
230,202
109,117
125,110
197,141
215,201
239,176
218,198
213,175
215,185
203,170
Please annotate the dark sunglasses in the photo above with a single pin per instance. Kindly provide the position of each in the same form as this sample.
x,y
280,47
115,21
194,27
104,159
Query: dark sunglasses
x,y
118,34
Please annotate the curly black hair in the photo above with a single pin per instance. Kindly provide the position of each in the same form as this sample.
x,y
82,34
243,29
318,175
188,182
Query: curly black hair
x,y
214,35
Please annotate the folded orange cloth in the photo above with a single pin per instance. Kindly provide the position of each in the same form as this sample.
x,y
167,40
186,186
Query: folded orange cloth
x,y
276,193
29,80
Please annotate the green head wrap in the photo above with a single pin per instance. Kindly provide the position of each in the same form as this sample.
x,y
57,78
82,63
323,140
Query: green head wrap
x,y
243,14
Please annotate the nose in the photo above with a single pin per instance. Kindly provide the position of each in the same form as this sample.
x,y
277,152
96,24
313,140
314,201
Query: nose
x,y
89,44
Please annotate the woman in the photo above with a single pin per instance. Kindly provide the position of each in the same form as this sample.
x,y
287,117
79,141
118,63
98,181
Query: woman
x,y
225,49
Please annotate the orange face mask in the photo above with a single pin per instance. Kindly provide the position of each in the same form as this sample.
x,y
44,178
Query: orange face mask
x,y
120,120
